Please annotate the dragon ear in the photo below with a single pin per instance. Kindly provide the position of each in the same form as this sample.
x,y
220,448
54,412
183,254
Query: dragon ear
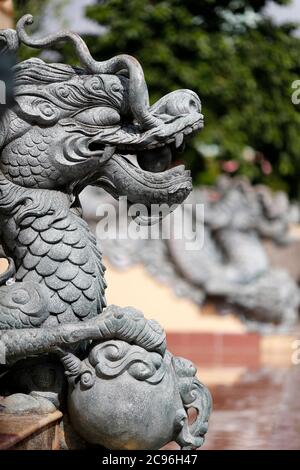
x,y
38,109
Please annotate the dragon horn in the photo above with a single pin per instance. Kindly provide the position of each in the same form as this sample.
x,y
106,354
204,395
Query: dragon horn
x,y
138,92
9,39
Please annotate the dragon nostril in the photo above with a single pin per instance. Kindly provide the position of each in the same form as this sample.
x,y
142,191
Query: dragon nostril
x,y
194,105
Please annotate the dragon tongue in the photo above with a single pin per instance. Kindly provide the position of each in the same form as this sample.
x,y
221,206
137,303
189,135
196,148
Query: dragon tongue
x,y
108,153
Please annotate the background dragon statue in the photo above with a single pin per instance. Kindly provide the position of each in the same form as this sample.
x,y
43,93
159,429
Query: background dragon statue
x,y
69,127
231,264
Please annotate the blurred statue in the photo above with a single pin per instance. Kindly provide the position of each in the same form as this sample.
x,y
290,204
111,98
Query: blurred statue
x,y
232,264
68,128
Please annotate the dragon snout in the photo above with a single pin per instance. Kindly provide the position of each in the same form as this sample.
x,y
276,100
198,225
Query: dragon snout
x,y
177,103
181,113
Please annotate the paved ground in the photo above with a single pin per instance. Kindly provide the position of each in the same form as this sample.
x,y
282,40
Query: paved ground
x,y
260,411
254,385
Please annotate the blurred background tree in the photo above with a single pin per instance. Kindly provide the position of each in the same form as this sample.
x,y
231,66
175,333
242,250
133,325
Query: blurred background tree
x,y
35,7
240,62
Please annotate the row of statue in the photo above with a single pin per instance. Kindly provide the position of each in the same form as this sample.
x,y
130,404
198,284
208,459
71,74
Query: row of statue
x,y
228,261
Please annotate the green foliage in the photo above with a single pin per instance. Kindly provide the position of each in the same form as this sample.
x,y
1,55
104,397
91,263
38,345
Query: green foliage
x,y
21,7
240,63
35,8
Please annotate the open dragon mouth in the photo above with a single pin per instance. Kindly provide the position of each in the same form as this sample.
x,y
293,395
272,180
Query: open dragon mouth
x,y
148,178
153,190
160,156
139,163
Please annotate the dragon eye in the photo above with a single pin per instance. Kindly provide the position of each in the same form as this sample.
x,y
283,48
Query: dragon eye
x,y
98,116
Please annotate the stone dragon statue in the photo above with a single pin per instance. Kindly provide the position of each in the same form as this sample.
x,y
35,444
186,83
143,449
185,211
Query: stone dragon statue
x,y
239,217
70,127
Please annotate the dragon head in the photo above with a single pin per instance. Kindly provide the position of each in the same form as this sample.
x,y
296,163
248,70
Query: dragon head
x,y
70,127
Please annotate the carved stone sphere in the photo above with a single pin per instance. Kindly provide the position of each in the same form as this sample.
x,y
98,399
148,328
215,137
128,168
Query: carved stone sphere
x,y
130,397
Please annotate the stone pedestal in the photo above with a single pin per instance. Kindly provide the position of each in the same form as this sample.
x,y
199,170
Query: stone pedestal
x,y
30,431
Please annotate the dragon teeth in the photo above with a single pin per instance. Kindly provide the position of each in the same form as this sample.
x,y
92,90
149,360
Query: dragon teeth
x,y
187,131
178,140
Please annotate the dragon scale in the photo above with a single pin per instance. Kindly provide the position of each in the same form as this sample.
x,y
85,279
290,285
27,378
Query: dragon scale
x,y
53,248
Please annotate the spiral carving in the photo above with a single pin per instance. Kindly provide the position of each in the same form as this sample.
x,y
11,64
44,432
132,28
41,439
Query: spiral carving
x,y
113,358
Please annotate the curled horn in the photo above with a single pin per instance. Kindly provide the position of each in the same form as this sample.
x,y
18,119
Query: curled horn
x,y
10,41
138,92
